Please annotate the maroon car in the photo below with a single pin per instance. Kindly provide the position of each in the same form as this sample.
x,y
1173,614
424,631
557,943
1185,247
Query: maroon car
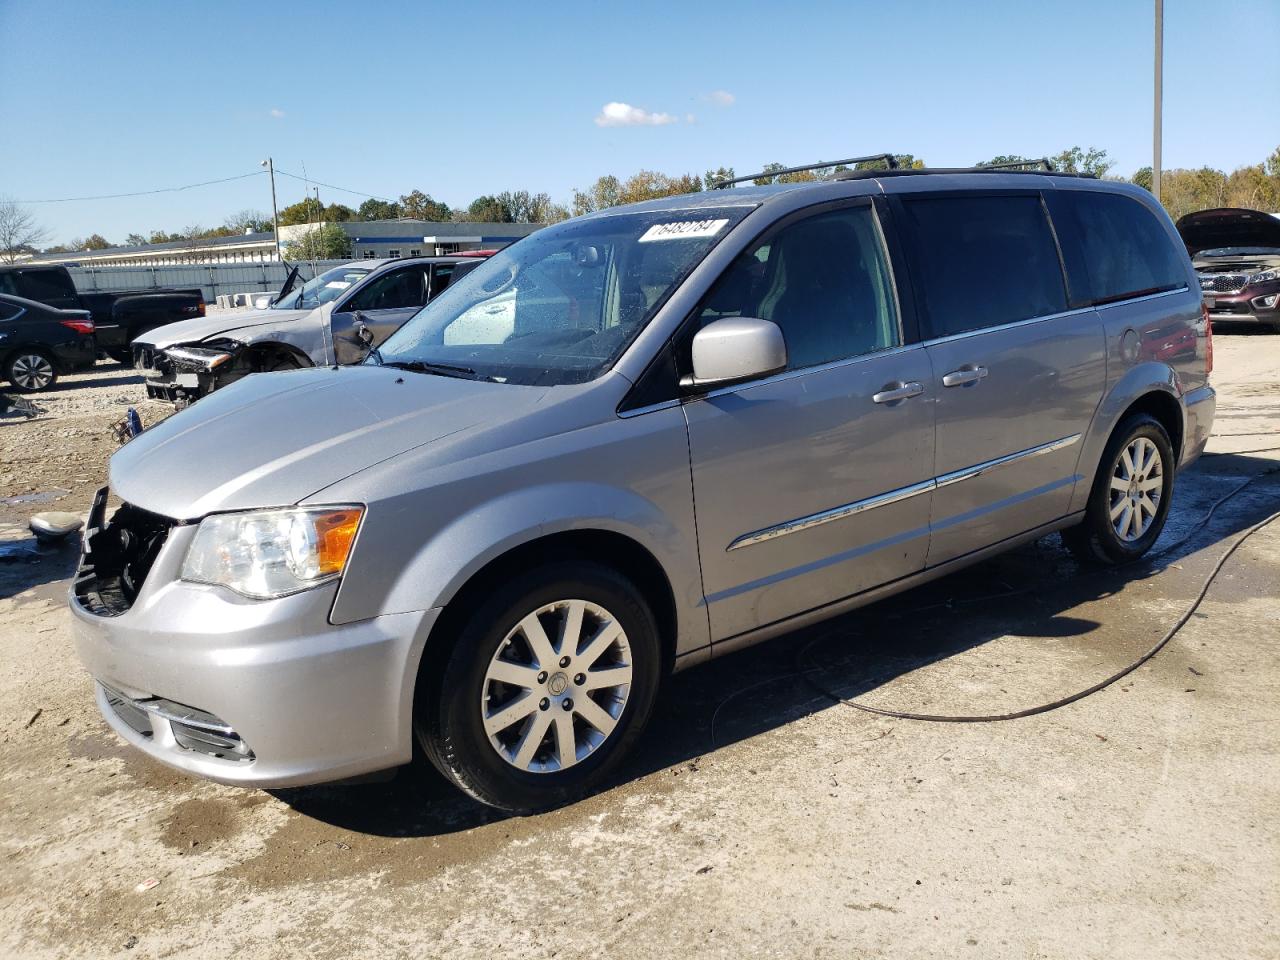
x,y
1237,255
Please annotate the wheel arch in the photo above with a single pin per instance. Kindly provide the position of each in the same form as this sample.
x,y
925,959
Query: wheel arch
x,y
1149,388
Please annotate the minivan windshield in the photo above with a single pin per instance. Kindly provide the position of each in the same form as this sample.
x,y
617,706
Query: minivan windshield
x,y
321,289
562,304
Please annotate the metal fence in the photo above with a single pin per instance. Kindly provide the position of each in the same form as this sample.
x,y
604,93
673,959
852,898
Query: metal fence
x,y
215,279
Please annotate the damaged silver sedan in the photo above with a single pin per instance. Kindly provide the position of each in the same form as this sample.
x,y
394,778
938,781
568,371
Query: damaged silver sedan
x,y
336,317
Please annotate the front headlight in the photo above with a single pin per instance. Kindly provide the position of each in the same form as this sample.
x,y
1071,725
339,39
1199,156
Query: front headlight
x,y
1264,276
265,554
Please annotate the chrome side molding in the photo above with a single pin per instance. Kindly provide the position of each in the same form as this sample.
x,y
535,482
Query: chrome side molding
x,y
896,496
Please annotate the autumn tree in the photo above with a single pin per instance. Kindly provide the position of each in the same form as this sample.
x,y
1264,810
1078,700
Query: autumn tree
x,y
306,210
95,241
487,209
600,195
19,231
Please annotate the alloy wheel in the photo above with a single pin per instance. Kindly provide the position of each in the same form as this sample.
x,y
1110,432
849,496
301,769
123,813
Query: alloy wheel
x,y
31,371
1137,484
556,687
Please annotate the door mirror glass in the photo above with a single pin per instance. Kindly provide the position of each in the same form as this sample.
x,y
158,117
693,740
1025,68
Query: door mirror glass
x,y
735,349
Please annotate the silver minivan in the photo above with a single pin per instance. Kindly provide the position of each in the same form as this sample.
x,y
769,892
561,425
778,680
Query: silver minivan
x,y
626,444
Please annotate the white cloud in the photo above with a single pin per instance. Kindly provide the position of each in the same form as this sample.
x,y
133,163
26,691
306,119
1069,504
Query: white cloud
x,y
277,112
721,98
616,114
690,118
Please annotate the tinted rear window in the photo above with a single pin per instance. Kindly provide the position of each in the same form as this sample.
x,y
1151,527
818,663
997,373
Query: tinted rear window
x,y
1114,247
982,261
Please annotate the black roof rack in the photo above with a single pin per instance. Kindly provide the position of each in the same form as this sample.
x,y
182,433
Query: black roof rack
x,y
1043,163
888,158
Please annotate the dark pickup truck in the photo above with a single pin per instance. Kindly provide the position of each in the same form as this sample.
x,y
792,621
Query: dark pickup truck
x,y
119,317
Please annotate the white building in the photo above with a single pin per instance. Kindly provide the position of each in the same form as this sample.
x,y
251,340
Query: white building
x,y
369,239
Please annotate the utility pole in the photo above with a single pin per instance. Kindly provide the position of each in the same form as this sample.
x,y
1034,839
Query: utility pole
x,y
1155,159
275,213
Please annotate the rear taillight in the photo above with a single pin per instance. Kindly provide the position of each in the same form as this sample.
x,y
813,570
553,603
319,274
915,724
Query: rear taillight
x,y
200,310
79,326
1208,338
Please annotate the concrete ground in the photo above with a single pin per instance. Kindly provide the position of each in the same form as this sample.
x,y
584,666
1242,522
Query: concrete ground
x,y
761,819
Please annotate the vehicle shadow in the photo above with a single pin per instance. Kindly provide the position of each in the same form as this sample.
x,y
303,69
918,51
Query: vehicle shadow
x,y
1026,592
27,564
76,382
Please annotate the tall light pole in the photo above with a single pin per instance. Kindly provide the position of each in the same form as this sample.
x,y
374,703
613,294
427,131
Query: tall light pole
x,y
1155,159
275,213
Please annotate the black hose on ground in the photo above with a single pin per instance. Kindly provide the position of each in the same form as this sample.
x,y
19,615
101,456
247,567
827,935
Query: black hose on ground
x,y
807,672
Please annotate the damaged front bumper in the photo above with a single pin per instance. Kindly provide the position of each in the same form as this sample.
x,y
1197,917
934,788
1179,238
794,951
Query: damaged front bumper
x,y
182,374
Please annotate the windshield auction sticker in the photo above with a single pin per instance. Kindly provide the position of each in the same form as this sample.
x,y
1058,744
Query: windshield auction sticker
x,y
683,230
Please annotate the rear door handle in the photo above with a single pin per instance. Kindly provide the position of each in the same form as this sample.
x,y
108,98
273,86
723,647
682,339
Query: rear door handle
x,y
964,376
902,391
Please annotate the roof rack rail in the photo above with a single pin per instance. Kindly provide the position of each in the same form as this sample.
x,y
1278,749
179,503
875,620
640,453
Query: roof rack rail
x,y
1043,163
888,158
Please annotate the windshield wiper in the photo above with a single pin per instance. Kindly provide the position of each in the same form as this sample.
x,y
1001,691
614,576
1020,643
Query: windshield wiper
x,y
422,366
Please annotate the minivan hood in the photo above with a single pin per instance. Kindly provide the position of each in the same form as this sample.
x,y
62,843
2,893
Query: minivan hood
x,y
1228,227
273,439
202,328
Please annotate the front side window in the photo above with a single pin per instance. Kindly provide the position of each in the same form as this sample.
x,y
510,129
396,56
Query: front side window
x,y
562,304
823,280
393,290
982,261
1120,250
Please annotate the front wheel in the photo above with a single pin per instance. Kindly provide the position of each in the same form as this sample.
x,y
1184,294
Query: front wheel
x,y
1129,502
551,680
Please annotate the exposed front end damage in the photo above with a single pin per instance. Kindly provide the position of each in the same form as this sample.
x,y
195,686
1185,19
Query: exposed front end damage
x,y
182,374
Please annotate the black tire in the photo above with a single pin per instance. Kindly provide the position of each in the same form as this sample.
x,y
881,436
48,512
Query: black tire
x,y
449,722
122,356
31,370
282,361
1096,539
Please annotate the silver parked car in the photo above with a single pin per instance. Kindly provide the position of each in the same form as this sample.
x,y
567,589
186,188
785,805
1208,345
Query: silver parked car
x,y
335,317
628,443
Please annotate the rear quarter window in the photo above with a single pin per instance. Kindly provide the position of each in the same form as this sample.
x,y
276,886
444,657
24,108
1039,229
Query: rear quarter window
x,y
981,261
1114,247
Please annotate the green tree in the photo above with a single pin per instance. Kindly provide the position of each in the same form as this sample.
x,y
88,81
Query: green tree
x,y
325,242
338,213
1144,178
487,209
95,241
718,175
419,206
307,210
524,207
600,195
374,209
135,240
1093,161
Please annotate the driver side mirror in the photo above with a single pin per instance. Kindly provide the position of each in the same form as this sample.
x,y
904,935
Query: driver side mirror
x,y
733,350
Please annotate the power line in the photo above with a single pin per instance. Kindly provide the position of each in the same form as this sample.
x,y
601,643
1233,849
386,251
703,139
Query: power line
x,y
144,193
358,193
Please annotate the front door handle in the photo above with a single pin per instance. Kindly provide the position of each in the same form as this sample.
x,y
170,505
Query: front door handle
x,y
964,376
899,391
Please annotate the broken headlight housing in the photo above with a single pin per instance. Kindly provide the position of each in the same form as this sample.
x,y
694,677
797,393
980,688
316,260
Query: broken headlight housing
x,y
264,554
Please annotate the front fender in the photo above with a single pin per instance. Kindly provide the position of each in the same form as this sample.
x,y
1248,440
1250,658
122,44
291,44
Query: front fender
x,y
1137,382
432,573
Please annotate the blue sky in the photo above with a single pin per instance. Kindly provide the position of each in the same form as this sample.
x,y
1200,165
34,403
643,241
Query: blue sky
x,y
463,99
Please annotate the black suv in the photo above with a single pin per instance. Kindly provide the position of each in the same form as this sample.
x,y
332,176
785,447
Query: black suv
x,y
38,342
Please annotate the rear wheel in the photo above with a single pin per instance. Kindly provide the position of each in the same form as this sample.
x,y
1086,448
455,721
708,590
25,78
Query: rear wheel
x,y
551,681
1129,501
30,370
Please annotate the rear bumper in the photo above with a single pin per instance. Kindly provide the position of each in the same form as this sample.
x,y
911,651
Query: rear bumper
x,y
1201,406
292,698
79,353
